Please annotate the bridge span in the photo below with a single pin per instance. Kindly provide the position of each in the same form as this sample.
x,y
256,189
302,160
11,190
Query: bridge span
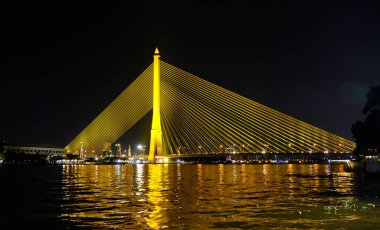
x,y
192,116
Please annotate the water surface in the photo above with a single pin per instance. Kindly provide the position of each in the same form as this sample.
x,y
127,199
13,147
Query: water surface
x,y
188,196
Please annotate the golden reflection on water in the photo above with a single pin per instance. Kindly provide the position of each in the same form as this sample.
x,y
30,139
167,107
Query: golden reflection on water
x,y
157,183
149,196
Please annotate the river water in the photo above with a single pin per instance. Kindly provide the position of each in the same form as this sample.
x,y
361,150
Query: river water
x,y
188,196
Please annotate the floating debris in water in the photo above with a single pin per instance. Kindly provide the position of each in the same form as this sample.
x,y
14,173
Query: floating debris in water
x,y
349,204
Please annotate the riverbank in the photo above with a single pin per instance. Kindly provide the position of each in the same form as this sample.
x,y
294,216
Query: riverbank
x,y
367,167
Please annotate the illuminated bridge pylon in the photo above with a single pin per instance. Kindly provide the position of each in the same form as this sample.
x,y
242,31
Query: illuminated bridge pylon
x,y
194,116
155,147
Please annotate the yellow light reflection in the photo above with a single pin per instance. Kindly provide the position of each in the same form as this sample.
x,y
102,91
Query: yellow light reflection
x,y
158,181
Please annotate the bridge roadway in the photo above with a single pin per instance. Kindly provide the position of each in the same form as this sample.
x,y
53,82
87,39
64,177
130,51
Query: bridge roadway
x,y
251,157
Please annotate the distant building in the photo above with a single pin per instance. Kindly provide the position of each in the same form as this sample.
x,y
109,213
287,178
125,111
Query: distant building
x,y
31,149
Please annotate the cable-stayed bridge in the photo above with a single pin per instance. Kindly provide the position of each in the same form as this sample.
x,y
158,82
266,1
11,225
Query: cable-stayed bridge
x,y
194,116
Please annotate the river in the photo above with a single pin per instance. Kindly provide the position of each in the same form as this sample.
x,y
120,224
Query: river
x,y
188,196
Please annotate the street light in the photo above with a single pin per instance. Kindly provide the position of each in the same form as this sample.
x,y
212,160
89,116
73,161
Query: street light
x,y
141,148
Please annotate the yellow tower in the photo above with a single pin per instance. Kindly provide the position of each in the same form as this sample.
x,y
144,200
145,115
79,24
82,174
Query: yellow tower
x,y
155,147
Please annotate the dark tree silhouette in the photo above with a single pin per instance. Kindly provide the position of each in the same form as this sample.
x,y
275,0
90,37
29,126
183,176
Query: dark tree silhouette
x,y
367,132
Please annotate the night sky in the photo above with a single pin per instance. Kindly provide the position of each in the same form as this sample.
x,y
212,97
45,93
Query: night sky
x,y
63,63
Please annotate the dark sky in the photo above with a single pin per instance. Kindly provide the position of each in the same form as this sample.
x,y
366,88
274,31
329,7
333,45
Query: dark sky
x,y
63,63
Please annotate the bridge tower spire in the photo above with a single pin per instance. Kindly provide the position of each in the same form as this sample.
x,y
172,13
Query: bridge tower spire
x,y
155,147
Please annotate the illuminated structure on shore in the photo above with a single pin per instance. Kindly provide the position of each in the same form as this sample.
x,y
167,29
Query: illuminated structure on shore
x,y
194,116
31,149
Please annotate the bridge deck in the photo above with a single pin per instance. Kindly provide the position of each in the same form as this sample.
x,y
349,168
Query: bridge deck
x,y
252,157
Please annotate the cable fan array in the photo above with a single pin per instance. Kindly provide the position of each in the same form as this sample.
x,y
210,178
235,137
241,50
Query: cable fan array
x,y
199,117
125,111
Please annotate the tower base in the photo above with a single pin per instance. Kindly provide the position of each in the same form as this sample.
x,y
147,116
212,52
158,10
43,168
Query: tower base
x,y
155,147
